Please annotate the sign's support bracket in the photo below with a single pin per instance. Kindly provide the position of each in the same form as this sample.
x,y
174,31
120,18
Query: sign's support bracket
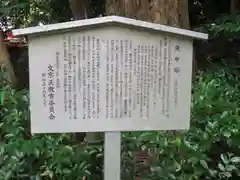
x,y
112,156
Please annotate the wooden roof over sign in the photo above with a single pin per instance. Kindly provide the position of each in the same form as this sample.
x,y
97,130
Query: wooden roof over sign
x,y
108,20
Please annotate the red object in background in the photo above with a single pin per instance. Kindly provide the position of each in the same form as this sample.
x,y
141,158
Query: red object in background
x,y
12,41
9,35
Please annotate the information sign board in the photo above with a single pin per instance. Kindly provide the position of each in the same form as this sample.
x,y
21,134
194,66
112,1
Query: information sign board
x,y
111,78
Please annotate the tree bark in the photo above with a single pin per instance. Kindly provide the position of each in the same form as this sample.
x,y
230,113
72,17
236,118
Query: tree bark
x,y
5,60
235,6
79,8
168,12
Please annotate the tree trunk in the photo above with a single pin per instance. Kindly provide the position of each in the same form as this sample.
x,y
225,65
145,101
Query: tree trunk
x,y
5,60
168,12
80,10
235,6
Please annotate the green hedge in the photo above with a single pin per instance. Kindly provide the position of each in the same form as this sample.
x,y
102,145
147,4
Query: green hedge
x,y
209,150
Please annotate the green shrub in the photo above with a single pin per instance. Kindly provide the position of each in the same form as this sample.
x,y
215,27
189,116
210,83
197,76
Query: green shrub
x,y
223,44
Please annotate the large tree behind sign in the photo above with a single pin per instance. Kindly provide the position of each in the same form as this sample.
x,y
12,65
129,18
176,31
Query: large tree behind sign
x,y
5,60
167,12
80,9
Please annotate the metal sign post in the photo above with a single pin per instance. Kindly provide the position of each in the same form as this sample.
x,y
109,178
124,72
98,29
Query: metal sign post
x,y
112,156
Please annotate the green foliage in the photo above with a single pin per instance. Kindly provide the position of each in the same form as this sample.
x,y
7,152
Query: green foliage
x,y
227,26
223,44
47,12
11,8
24,13
13,12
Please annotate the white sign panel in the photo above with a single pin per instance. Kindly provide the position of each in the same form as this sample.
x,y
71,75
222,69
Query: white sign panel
x,y
109,79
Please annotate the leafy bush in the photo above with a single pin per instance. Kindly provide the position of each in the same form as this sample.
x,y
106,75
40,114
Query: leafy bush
x,y
209,150
223,44
227,26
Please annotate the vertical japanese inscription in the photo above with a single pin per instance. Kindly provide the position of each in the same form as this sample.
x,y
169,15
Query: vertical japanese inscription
x,y
126,77
169,78
70,76
93,74
65,50
136,78
177,50
120,79
89,85
82,76
117,70
51,92
130,87
57,69
44,88
74,74
98,66
112,80
107,112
